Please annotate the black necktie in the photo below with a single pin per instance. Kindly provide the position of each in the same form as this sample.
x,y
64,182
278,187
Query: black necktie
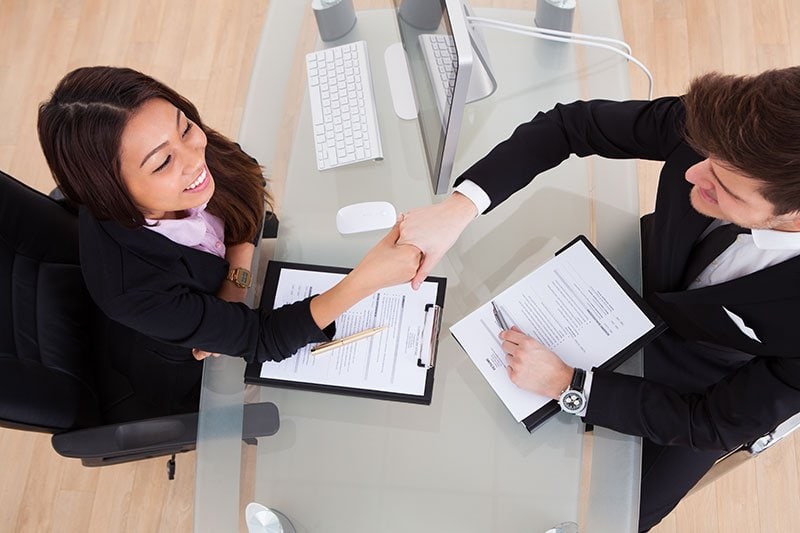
x,y
708,249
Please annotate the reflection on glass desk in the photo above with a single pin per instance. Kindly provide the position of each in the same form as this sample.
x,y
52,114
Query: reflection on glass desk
x,y
461,464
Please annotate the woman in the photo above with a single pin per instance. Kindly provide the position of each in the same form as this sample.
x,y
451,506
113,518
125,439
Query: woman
x,y
168,213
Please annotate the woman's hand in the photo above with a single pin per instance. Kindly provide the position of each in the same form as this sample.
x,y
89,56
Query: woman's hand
x,y
531,366
387,263
237,255
434,229
201,354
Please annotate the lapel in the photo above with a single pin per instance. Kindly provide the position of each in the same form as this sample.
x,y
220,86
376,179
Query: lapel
x,y
675,225
164,254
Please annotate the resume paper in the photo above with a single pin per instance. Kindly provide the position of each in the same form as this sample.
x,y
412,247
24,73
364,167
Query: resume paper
x,y
571,304
387,361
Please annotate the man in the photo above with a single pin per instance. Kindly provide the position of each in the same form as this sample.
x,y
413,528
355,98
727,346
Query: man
x,y
728,369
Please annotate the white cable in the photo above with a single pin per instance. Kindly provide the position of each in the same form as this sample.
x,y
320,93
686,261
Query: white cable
x,y
557,33
550,35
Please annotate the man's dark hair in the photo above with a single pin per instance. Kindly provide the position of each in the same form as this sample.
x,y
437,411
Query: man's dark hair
x,y
752,125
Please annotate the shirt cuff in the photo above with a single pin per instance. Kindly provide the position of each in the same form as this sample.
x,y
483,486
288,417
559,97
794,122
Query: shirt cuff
x,y
476,195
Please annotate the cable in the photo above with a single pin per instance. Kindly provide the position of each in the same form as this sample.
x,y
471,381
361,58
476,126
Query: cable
x,y
558,33
575,38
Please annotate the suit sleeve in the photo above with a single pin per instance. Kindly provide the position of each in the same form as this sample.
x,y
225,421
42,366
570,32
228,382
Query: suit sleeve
x,y
748,403
619,130
196,320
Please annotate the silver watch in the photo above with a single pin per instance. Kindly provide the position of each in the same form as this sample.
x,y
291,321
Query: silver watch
x,y
573,400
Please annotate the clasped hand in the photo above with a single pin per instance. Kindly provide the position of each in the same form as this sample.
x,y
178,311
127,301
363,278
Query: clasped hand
x,y
434,229
388,263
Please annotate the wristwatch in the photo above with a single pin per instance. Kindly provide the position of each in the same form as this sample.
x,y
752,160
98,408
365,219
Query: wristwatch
x,y
573,399
240,277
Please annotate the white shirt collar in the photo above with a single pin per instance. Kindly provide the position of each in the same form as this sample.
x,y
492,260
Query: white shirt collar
x,y
770,239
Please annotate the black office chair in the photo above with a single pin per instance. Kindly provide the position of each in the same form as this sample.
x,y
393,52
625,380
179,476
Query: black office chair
x,y
68,370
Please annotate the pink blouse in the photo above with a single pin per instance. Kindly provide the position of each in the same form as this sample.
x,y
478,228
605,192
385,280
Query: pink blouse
x,y
199,230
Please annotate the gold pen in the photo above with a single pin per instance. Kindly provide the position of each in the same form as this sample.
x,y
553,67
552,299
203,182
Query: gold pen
x,y
325,346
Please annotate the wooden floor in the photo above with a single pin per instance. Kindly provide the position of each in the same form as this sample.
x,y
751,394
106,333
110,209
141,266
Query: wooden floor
x,y
204,49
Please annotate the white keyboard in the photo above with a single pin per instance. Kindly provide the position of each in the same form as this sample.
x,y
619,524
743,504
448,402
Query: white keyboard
x,y
343,106
440,56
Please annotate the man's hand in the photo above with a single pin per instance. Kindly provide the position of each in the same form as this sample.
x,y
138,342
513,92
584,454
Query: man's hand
x,y
434,229
531,366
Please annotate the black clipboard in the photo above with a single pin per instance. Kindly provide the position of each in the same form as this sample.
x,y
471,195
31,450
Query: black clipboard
x,y
536,418
540,415
433,312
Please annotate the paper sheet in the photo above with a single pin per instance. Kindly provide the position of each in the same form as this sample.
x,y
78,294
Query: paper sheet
x,y
384,362
571,304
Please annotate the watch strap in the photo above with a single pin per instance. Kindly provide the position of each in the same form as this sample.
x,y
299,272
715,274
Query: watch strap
x,y
578,378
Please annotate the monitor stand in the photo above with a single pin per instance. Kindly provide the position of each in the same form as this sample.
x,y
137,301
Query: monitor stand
x,y
481,84
403,100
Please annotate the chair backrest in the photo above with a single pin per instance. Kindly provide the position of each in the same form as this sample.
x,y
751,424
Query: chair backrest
x,y
47,376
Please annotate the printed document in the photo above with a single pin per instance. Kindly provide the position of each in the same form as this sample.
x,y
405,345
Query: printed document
x,y
387,361
572,305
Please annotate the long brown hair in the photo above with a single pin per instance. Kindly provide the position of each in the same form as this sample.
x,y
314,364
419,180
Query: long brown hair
x,y
751,123
80,129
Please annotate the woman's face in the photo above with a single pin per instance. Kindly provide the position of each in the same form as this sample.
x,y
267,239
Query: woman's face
x,y
163,159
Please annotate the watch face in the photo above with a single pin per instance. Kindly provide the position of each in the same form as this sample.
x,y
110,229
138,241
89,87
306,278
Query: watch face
x,y
572,401
242,277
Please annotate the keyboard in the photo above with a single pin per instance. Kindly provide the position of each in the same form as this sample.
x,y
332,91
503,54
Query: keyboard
x,y
343,106
440,56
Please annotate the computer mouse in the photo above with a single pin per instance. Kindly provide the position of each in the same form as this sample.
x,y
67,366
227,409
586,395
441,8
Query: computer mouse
x,y
365,216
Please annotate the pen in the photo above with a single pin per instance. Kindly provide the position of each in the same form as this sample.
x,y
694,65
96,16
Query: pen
x,y
498,316
325,346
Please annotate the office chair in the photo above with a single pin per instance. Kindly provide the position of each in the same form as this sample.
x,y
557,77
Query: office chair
x,y
747,451
68,370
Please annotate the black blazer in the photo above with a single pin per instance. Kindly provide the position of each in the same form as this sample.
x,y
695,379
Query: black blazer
x,y
166,291
741,397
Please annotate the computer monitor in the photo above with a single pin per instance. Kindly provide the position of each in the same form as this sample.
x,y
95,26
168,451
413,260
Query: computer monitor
x,y
473,79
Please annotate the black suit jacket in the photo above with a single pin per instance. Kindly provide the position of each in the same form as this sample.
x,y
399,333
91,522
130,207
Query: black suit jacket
x,y
709,394
166,291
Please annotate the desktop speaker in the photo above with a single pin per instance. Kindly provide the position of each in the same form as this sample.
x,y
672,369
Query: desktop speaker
x,y
422,14
334,18
555,14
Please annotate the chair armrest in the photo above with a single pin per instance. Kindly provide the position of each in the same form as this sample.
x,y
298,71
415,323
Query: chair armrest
x,y
132,441
783,430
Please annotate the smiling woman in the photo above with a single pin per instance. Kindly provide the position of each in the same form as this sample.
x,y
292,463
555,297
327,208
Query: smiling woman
x,y
173,176
97,118
169,209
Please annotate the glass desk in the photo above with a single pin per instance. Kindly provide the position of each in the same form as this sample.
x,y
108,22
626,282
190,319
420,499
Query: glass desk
x,y
461,464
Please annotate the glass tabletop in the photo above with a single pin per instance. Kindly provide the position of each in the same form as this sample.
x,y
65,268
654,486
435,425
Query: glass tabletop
x,y
341,463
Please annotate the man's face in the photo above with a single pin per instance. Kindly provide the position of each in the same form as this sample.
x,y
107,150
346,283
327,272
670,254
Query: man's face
x,y
726,194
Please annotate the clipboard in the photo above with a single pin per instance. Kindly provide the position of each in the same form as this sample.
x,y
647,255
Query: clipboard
x,y
540,415
423,358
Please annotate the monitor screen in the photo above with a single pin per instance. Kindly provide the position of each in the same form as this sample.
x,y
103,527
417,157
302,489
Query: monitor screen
x,y
441,54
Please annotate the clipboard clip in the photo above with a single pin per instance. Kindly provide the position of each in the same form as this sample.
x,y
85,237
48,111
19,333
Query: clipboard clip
x,y
429,348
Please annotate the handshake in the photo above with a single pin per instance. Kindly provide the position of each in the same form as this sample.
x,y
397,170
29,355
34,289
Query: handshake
x,y
416,244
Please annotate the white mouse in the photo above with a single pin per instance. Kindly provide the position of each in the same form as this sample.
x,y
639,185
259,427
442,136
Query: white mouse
x,y
365,216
